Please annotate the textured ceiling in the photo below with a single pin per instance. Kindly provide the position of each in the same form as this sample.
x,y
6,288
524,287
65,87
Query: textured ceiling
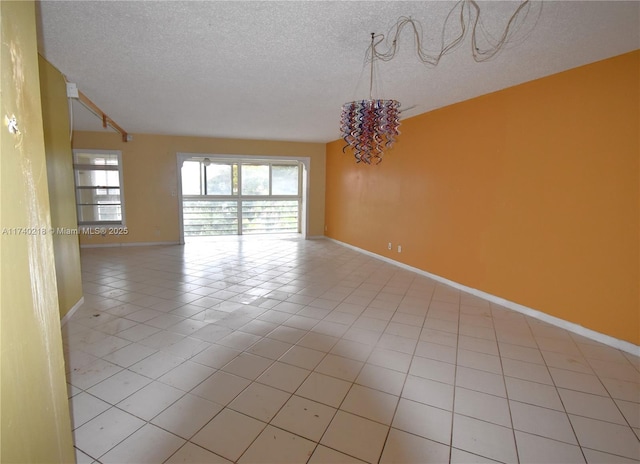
x,y
282,70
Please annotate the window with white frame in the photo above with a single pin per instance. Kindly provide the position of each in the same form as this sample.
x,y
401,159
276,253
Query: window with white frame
x,y
221,197
98,177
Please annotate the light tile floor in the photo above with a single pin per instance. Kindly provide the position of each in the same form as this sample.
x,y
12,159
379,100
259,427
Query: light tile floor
x,y
283,350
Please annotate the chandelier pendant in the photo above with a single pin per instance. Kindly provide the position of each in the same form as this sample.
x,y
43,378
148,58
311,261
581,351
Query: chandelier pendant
x,y
369,127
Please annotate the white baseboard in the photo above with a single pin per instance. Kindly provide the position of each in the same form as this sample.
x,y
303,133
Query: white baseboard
x,y
570,326
132,244
70,313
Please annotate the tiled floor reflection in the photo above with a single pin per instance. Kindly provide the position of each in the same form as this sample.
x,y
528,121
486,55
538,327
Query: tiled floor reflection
x,y
293,351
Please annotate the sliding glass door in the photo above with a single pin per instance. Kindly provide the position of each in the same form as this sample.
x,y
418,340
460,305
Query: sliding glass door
x,y
227,197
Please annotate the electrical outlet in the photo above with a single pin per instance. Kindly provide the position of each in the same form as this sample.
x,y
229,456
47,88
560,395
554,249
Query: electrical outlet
x,y
399,248
389,246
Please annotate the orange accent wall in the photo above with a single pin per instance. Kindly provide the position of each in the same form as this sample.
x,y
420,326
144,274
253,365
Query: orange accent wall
x,y
530,194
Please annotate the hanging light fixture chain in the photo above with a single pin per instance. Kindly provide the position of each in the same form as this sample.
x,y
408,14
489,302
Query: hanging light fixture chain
x,y
373,57
470,22
369,127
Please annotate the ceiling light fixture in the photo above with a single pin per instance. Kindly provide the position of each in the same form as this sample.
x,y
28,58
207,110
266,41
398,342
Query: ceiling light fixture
x,y
370,126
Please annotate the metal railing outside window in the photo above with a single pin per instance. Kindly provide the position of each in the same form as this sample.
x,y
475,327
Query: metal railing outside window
x,y
236,198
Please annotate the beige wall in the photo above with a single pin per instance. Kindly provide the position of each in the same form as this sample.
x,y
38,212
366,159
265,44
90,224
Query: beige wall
x,y
59,158
151,178
35,413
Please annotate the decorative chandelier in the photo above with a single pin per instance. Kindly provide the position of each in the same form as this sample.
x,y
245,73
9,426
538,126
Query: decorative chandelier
x,y
370,126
